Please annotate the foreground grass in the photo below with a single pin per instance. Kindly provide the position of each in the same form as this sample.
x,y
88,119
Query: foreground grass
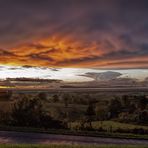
x,y
70,146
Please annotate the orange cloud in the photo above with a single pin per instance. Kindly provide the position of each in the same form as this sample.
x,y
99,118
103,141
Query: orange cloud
x,y
60,51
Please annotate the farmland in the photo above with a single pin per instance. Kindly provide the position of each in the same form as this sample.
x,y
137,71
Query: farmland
x,y
109,111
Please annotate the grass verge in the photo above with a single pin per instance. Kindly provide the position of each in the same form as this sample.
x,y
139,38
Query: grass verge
x,y
69,146
73,132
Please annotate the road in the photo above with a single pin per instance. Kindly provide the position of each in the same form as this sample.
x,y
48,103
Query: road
x,y
39,138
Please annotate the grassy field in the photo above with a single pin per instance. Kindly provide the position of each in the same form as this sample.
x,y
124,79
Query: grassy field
x,y
111,127
117,125
111,124
107,125
71,146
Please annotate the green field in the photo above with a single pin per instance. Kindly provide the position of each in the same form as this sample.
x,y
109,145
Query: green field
x,y
72,146
107,125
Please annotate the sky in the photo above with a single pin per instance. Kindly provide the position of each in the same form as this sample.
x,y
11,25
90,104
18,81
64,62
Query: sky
x,y
100,34
74,33
71,74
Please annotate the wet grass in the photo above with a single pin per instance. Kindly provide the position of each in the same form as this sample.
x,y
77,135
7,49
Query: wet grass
x,y
70,146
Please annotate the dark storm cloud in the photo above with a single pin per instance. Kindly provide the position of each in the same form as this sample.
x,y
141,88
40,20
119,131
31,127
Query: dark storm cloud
x,y
21,19
99,31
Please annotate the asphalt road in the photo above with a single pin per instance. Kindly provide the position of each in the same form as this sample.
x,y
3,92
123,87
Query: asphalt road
x,y
38,138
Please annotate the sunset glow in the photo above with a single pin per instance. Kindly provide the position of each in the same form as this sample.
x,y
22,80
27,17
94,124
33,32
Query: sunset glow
x,y
79,35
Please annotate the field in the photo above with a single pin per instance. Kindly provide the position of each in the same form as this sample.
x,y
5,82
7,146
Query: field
x,y
72,146
120,114
111,125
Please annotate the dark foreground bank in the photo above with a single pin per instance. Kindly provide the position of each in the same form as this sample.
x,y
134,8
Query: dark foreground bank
x,y
7,137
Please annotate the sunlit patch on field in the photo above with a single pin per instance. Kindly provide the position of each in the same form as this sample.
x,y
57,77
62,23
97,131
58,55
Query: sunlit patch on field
x,y
5,87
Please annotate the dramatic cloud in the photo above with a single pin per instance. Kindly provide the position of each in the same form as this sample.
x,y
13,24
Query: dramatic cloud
x,y
103,76
110,34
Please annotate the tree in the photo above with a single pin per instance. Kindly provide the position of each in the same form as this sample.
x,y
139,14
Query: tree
x,y
5,95
142,103
90,113
131,108
101,112
30,113
114,107
55,98
125,100
42,96
143,117
27,112
5,118
66,99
